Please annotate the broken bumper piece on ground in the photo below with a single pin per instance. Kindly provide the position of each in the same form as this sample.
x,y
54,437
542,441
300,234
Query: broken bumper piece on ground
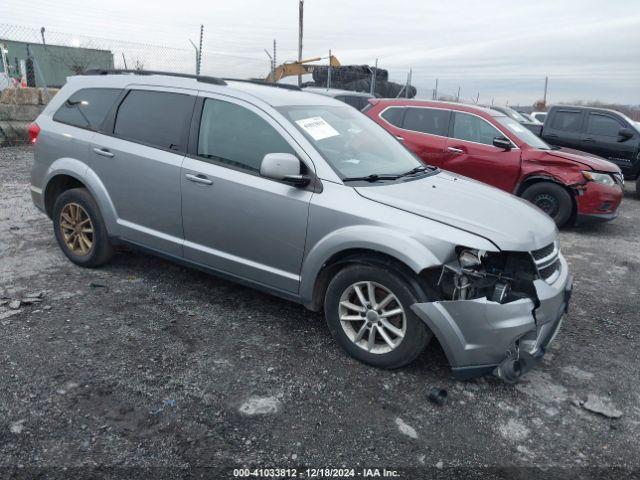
x,y
480,336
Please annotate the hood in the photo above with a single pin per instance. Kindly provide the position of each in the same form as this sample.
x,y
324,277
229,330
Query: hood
x,y
592,161
505,220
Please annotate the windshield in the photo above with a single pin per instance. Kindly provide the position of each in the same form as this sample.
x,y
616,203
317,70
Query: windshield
x,y
353,144
523,133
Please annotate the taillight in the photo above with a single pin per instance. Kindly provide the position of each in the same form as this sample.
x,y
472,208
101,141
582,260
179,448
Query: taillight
x,y
34,131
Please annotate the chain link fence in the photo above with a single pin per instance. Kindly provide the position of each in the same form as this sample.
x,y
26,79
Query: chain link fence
x,y
44,59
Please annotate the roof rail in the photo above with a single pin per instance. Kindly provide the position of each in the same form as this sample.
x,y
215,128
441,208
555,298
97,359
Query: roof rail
x,y
199,78
286,86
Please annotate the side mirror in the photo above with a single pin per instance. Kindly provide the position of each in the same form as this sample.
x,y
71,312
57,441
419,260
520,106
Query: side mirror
x,y
284,167
624,134
503,143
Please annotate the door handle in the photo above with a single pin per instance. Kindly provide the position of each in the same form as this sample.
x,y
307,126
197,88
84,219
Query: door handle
x,y
400,138
198,179
589,139
103,152
455,150
552,135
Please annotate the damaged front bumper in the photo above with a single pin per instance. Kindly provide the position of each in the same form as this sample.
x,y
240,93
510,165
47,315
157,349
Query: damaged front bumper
x,y
480,336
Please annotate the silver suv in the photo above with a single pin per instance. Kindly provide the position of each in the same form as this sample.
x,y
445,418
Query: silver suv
x,y
304,197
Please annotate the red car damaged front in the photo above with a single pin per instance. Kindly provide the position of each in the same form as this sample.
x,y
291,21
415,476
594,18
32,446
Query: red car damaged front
x,y
597,183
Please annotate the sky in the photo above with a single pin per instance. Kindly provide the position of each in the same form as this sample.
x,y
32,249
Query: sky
x,y
499,50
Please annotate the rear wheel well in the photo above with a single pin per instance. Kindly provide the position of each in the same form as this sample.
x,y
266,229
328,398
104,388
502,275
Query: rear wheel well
x,y
533,180
56,186
363,257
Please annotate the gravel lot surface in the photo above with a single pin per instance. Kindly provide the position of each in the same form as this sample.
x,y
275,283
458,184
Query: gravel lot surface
x,y
147,364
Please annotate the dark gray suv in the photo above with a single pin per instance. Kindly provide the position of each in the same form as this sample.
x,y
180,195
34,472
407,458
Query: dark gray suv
x,y
304,197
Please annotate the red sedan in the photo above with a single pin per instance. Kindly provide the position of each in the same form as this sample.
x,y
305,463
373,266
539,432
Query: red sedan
x,y
486,145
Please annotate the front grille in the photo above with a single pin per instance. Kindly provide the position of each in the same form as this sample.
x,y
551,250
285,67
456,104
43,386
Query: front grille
x,y
547,262
544,251
548,272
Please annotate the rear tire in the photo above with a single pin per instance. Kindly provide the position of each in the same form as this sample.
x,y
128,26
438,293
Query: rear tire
x,y
80,229
552,199
398,338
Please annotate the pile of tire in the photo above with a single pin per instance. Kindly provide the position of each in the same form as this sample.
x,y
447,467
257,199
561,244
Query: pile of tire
x,y
357,78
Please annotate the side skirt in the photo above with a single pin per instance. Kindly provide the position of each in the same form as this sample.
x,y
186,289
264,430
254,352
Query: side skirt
x,y
292,297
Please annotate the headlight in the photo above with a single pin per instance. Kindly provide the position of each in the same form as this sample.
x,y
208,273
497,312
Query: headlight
x,y
469,258
602,178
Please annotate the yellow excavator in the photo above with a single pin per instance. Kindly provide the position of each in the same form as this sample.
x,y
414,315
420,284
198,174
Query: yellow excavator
x,y
302,67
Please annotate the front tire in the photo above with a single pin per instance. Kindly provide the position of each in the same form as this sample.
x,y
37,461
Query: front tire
x,y
552,199
80,229
368,313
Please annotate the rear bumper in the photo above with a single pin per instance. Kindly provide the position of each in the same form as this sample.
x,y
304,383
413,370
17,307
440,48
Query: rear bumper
x,y
478,336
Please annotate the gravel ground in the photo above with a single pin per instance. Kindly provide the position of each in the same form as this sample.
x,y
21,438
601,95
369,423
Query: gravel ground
x,y
147,365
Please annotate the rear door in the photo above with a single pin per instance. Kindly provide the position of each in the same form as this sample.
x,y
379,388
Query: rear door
x,y
235,220
425,133
602,138
564,128
138,158
470,152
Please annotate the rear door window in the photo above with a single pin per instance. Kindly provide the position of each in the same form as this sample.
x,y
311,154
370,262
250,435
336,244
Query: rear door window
x,y
474,129
427,120
87,108
566,120
603,125
394,115
157,119
236,136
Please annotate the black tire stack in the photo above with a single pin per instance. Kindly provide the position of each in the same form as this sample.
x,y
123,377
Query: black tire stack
x,y
357,78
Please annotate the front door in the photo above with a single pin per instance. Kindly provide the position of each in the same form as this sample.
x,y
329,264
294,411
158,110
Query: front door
x,y
236,221
139,162
470,152
601,137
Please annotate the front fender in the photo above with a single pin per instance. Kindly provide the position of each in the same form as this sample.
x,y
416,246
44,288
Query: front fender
x,y
364,237
81,172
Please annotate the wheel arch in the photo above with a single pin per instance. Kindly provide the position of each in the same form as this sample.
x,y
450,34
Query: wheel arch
x,y
365,245
67,173
534,179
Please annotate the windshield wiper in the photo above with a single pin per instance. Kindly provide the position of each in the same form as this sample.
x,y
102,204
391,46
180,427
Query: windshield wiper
x,y
413,171
371,178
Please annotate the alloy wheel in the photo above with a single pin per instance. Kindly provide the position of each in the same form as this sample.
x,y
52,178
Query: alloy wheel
x,y
77,229
372,317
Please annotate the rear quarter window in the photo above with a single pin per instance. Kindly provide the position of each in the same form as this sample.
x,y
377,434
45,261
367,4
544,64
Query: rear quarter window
x,y
87,108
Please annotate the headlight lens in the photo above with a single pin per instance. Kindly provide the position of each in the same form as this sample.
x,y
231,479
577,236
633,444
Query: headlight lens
x,y
602,178
469,258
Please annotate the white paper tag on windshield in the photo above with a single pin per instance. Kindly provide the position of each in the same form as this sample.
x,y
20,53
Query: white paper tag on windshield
x,y
318,128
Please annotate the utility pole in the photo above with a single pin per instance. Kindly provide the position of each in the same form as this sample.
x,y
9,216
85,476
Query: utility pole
x,y
300,23
546,84
406,91
329,72
478,98
43,41
458,95
274,59
200,50
124,61
435,91
372,90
